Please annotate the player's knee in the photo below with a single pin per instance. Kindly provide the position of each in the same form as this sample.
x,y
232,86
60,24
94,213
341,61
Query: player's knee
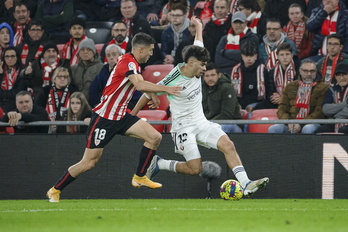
x,y
90,165
156,139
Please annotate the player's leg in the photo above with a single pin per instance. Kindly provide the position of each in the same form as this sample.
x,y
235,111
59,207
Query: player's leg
x,y
152,138
88,161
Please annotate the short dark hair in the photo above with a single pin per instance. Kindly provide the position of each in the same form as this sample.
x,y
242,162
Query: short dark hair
x,y
142,38
273,20
284,46
249,4
35,22
179,7
212,66
307,60
200,53
248,49
119,21
337,36
77,21
23,93
20,3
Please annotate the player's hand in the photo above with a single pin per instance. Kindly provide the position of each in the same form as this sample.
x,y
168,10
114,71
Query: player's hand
x,y
154,102
174,90
29,69
196,21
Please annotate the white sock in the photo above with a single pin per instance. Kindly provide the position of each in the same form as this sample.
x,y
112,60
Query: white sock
x,y
169,165
241,175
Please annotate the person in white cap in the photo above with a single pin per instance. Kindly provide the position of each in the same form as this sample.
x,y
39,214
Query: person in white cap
x,y
88,67
228,50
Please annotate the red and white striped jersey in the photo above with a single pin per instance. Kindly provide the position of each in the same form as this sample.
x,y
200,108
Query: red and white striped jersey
x,y
119,89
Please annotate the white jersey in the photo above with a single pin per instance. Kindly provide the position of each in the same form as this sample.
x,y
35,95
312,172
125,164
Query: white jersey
x,y
186,108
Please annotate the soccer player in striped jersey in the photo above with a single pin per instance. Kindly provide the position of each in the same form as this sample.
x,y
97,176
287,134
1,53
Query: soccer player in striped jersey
x,y
110,117
189,125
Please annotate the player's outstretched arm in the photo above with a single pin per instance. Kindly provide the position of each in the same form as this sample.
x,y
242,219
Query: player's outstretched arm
x,y
199,31
146,86
146,98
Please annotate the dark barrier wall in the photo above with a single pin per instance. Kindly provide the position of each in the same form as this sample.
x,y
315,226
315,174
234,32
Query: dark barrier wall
x,y
30,165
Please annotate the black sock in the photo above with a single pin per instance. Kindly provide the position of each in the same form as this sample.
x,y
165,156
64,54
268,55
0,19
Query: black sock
x,y
64,181
146,156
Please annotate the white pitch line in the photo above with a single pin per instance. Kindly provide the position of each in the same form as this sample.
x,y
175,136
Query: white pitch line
x,y
157,209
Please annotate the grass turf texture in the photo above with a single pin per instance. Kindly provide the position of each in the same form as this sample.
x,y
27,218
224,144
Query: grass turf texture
x,y
174,215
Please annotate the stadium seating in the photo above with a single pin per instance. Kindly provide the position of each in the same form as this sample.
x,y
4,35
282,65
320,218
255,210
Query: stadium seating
x,y
154,115
155,73
262,114
99,47
244,114
98,31
3,129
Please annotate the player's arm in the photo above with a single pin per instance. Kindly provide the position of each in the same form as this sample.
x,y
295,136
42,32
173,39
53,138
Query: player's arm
x,y
199,31
146,86
146,98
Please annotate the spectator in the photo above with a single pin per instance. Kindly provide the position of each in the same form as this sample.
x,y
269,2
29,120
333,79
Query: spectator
x,y
327,64
78,33
286,70
176,32
219,98
33,42
165,17
26,111
248,78
119,36
7,9
335,103
279,9
150,9
219,24
330,17
268,48
6,37
305,104
22,16
296,31
79,110
135,22
89,65
38,74
55,15
11,82
113,51
228,51
55,98
253,13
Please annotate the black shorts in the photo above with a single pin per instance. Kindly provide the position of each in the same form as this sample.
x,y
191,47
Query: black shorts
x,y
100,130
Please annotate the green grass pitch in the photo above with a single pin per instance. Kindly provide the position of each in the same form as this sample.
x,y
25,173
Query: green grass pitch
x,y
278,215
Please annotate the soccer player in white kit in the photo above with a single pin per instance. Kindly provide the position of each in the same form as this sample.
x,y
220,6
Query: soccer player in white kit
x,y
190,127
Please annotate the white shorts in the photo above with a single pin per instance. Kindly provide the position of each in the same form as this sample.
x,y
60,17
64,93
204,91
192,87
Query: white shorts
x,y
186,140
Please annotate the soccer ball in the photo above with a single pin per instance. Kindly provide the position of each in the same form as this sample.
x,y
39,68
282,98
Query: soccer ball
x,y
231,190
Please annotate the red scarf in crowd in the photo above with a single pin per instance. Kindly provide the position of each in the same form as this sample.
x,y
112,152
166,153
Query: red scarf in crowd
x,y
220,21
25,52
57,100
281,80
234,40
9,79
237,80
129,23
253,21
303,99
123,46
327,77
295,33
48,70
272,56
233,6
328,27
18,37
70,51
